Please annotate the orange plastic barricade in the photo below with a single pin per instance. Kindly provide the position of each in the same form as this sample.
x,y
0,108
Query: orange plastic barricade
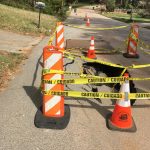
x,y
53,114
60,35
133,42
53,106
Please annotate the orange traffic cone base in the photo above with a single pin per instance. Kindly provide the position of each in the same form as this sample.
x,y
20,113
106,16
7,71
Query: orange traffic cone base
x,y
111,126
127,55
42,121
91,54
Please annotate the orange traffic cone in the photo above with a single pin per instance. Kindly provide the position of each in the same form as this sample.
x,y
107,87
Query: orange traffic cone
x,y
88,22
132,43
91,51
121,118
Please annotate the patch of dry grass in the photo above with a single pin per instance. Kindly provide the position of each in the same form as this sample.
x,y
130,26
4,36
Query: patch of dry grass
x,y
9,63
23,21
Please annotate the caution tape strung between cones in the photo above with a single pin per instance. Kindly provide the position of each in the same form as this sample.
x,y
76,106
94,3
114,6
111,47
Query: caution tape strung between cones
x,y
85,94
94,60
139,95
92,80
105,79
52,37
108,63
104,95
86,28
139,66
145,51
142,44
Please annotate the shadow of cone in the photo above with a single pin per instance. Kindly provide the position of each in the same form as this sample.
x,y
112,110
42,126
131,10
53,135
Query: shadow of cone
x,y
121,118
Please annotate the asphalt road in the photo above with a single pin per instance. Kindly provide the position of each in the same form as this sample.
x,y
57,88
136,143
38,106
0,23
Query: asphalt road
x,y
87,125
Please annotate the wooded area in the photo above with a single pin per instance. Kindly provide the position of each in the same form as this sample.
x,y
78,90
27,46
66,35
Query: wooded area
x,y
60,7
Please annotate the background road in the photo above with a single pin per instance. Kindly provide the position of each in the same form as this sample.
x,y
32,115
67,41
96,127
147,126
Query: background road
x,y
87,126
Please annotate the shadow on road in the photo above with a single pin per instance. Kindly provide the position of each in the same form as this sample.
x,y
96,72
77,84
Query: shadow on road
x,y
100,109
35,95
36,69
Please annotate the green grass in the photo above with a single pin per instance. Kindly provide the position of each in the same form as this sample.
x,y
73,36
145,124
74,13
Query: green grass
x,y
126,17
8,64
23,21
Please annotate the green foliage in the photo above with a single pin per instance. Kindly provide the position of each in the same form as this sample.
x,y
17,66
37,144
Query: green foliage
x,y
53,7
110,5
24,21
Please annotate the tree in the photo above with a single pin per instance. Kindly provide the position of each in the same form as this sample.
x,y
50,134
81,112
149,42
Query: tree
x,y
110,5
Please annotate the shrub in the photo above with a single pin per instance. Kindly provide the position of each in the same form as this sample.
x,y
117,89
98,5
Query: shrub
x,y
110,5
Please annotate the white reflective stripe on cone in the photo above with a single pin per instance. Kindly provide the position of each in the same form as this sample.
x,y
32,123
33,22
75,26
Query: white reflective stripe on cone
x,y
50,86
124,88
91,47
92,42
60,27
60,37
52,102
132,46
62,45
51,61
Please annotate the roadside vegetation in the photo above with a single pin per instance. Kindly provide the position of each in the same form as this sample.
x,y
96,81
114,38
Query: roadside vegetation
x,y
124,17
9,63
23,21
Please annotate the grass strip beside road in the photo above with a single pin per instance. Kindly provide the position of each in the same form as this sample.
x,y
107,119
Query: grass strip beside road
x,y
23,21
9,63
123,17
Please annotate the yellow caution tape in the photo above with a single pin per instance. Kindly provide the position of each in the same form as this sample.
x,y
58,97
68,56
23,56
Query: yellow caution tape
x,y
142,44
139,79
139,95
145,51
101,62
52,37
108,63
104,95
85,94
92,80
139,66
86,28
95,60
86,80
134,37
47,71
